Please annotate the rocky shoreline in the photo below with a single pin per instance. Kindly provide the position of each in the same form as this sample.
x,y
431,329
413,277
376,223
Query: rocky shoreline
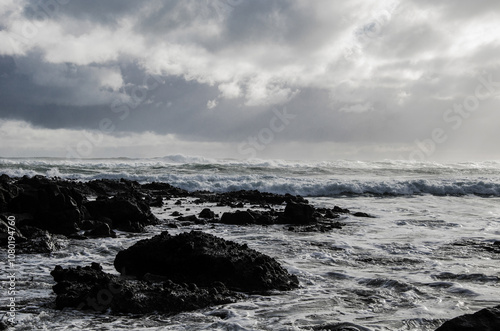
x,y
167,274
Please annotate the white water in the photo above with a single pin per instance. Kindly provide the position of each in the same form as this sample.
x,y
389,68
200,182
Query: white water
x,y
376,272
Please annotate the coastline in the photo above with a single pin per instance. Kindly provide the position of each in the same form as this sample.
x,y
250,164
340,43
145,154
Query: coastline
x,y
180,210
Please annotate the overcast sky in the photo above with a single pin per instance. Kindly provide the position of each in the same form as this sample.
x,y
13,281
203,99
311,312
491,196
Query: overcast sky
x,y
294,79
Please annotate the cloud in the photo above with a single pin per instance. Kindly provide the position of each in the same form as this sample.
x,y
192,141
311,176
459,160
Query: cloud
x,y
354,72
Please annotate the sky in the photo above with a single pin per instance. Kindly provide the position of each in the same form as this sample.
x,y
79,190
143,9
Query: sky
x,y
270,79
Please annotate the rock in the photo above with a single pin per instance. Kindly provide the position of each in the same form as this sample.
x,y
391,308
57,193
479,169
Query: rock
x,y
237,218
190,219
299,213
487,319
101,230
320,226
203,259
7,231
109,187
39,241
330,214
157,202
339,210
207,213
360,214
52,206
89,288
126,213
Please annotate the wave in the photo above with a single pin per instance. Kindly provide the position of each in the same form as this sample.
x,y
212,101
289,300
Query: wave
x,y
382,178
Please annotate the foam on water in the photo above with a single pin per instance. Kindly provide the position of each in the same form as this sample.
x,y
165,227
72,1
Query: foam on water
x,y
398,271
303,178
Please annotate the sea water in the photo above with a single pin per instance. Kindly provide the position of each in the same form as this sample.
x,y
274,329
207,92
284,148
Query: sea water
x,y
411,267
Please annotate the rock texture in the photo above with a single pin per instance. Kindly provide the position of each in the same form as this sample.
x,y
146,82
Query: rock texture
x,y
487,319
203,259
89,288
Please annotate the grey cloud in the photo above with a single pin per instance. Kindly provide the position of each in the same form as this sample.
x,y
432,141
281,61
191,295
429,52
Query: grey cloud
x,y
351,72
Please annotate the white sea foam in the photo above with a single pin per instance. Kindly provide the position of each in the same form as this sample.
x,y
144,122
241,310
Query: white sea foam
x,y
278,176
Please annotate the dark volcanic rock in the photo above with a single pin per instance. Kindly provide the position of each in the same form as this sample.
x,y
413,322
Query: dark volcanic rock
x,y
101,230
126,213
361,214
320,226
487,319
203,259
7,230
238,218
207,213
299,213
53,207
91,288
39,241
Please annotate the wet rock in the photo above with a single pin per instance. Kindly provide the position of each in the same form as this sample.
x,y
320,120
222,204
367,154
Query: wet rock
x,y
39,241
52,206
203,259
7,230
235,198
320,226
237,218
361,214
101,230
299,213
487,319
339,210
109,187
207,213
189,219
156,202
126,213
164,189
89,288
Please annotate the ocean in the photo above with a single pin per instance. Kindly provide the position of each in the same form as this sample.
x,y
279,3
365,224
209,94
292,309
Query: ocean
x,y
418,262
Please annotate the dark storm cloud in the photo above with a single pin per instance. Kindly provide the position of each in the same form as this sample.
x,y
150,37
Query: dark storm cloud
x,y
351,72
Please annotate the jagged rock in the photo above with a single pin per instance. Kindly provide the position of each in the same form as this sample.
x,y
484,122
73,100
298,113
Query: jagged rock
x,y
101,230
126,213
320,226
238,218
53,208
339,210
109,187
487,319
201,258
190,219
360,214
39,241
5,228
89,288
207,213
299,213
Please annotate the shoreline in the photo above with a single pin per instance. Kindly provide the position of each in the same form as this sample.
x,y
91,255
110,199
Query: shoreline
x,y
242,207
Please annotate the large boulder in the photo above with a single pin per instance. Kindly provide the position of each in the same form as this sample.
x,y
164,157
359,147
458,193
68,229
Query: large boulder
x,y
299,213
487,319
203,259
125,212
90,288
53,207
237,218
